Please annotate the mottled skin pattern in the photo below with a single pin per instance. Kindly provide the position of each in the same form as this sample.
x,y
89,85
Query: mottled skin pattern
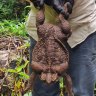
x,y
50,56
49,52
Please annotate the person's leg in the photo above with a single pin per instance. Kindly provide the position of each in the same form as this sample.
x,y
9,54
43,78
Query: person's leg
x,y
41,88
30,71
82,67
32,44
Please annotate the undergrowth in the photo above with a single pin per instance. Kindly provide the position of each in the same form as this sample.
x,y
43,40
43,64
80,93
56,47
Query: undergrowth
x,y
12,28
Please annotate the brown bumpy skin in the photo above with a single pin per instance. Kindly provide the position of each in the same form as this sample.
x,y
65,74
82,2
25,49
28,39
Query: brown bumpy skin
x,y
40,17
50,56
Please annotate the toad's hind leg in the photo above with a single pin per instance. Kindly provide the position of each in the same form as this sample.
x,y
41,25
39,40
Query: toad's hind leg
x,y
68,84
30,82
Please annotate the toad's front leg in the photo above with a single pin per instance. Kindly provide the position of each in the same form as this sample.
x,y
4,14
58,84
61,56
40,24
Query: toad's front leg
x,y
60,68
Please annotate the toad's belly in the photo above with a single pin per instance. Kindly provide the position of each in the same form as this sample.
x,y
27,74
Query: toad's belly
x,y
49,50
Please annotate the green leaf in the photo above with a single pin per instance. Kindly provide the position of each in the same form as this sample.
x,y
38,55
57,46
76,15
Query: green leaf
x,y
24,75
61,83
18,69
12,71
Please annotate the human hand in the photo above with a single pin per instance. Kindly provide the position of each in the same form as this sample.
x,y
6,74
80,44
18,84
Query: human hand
x,y
38,3
63,7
